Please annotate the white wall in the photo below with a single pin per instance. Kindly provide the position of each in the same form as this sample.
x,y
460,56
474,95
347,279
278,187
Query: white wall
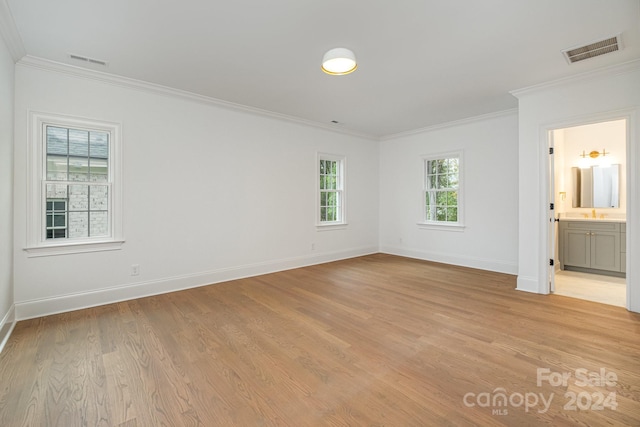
x,y
6,190
210,194
604,95
490,169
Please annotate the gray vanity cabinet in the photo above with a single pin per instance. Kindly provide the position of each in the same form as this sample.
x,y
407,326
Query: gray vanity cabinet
x,y
590,245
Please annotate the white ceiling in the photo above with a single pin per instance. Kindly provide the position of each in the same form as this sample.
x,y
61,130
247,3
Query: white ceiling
x,y
421,62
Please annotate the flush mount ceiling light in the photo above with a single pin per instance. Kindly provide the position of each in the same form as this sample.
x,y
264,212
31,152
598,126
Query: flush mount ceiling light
x,y
339,61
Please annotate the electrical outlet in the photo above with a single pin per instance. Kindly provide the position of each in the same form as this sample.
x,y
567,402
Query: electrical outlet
x,y
135,269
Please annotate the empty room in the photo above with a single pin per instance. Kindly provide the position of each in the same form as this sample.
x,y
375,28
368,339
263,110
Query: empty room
x,y
305,213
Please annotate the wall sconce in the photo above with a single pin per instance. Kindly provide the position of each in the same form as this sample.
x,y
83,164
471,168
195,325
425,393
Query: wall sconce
x,y
594,154
587,161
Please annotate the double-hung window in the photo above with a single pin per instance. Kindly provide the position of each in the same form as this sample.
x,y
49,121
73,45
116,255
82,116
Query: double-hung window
x,y
442,194
74,205
331,190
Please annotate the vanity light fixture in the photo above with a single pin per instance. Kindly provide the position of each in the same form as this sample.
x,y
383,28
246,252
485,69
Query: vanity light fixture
x,y
594,154
339,61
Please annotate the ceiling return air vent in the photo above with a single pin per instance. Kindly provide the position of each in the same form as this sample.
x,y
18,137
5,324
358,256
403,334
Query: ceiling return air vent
x,y
600,47
89,60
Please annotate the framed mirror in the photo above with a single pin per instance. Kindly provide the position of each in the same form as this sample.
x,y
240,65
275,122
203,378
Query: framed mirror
x,y
596,187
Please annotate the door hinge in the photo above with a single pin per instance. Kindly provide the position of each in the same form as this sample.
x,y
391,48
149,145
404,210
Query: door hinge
x,y
550,150
551,206
551,262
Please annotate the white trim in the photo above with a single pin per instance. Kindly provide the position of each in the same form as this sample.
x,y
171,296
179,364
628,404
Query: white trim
x,y
36,244
527,284
10,33
626,67
6,326
441,226
73,248
112,79
79,300
454,259
455,123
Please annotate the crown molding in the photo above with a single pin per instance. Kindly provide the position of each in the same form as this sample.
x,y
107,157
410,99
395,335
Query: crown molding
x,y
625,67
126,82
9,32
465,121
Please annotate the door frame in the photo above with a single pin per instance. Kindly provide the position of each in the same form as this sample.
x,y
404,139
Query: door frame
x,y
546,140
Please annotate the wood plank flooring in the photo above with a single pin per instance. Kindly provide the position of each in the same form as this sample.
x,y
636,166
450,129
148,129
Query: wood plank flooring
x,y
371,341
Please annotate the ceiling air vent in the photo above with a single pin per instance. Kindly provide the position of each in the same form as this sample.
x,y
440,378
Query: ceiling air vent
x,y
90,60
600,47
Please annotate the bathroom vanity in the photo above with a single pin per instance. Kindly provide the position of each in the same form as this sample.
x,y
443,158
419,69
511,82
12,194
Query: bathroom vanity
x,y
594,246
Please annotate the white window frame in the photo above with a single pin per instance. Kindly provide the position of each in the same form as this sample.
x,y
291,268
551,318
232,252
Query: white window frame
x,y
341,190
37,244
443,225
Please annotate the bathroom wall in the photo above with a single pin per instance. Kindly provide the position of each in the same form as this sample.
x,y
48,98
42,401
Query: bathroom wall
x,y
571,142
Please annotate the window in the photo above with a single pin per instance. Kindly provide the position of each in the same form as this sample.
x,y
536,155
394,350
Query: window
x,y
442,200
331,197
75,193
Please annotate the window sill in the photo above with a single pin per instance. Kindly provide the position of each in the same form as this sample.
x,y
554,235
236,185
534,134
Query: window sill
x,y
441,226
331,226
73,248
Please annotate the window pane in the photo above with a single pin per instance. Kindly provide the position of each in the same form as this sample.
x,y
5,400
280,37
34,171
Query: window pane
x,y
442,166
78,197
99,145
99,225
432,182
78,224
59,233
56,191
49,220
59,220
452,214
331,199
323,199
443,181
441,214
323,214
78,143
98,197
98,168
56,140
453,165
453,180
322,168
49,205
78,169
452,198
56,167
432,167
60,206
441,198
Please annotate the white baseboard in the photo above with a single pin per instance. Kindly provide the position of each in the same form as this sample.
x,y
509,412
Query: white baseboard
x,y
7,324
76,301
471,262
528,284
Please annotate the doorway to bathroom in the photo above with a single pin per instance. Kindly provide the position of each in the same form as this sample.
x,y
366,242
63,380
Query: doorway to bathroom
x,y
587,226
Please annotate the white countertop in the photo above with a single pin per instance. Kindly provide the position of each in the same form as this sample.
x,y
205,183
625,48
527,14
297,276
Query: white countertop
x,y
581,218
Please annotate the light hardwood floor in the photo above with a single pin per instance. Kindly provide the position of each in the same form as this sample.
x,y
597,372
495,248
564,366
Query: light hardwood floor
x,y
376,340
